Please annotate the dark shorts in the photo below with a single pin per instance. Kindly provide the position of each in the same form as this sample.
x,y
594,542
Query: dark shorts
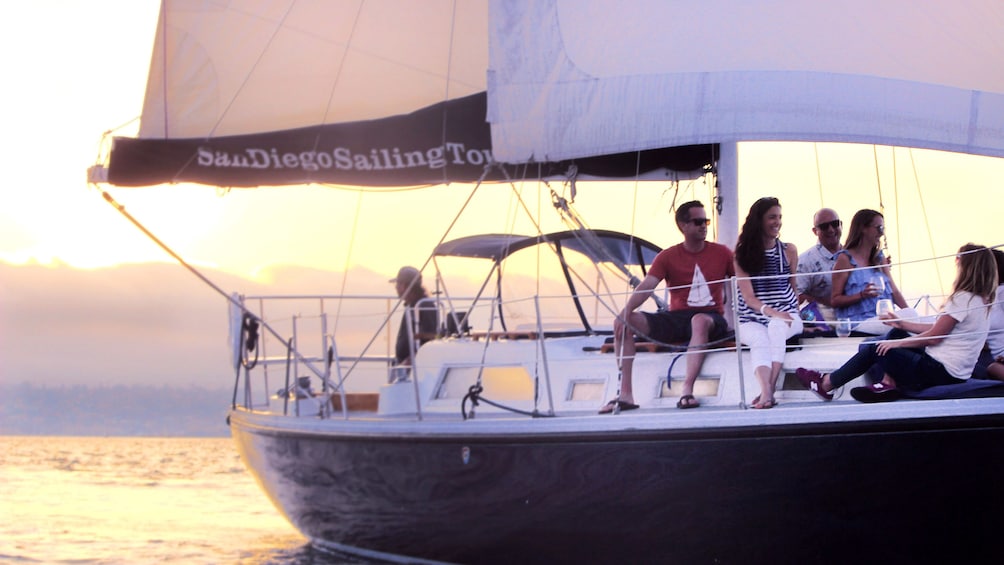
x,y
674,326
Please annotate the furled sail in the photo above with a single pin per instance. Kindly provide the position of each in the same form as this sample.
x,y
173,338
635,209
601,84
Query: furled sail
x,y
370,93
573,78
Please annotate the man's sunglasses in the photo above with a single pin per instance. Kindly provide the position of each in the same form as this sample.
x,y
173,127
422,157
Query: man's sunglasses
x,y
698,222
829,225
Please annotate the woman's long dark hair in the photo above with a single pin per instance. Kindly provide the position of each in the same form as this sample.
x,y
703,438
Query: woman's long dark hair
x,y
861,220
749,247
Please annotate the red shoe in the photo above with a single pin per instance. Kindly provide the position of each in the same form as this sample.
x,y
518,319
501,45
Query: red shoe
x,y
813,381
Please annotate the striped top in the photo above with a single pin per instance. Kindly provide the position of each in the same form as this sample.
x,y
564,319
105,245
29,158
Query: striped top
x,y
774,292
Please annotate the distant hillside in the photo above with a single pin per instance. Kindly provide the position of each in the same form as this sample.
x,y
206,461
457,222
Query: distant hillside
x,y
143,324
135,410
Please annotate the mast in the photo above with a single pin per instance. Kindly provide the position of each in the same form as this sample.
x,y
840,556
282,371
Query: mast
x,y
727,189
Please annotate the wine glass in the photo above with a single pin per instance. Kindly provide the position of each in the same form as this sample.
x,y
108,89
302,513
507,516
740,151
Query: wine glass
x,y
843,327
878,282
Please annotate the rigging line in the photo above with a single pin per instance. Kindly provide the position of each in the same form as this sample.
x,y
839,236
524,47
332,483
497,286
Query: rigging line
x,y
878,178
348,257
522,204
634,197
338,73
233,99
589,239
584,234
247,77
104,148
334,83
899,225
449,70
128,122
540,355
634,210
594,290
927,221
512,214
526,209
819,173
108,198
231,300
376,189
540,186
162,33
397,304
613,310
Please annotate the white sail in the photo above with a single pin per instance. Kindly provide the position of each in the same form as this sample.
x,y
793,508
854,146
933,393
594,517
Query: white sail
x,y
580,78
232,68
375,93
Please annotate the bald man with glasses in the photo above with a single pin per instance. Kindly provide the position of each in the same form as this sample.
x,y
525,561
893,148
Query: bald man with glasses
x,y
814,283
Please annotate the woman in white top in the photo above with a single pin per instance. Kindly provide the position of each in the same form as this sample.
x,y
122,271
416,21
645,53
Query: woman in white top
x,y
941,353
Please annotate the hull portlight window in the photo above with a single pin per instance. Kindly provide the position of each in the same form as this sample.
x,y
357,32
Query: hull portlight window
x,y
499,383
586,390
703,386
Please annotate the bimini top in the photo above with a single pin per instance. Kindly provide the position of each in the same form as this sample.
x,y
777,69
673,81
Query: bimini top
x,y
598,245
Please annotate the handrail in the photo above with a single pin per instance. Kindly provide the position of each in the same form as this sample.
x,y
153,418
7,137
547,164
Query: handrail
x,y
328,364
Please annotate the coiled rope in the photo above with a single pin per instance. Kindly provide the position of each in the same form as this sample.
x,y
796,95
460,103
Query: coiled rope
x,y
474,395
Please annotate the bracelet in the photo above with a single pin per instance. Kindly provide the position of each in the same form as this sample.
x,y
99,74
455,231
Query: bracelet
x,y
762,308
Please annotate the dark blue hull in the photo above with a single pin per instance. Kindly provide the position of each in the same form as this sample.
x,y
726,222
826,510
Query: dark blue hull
x,y
901,491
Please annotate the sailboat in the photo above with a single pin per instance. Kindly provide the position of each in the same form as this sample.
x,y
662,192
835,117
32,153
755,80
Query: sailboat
x,y
490,450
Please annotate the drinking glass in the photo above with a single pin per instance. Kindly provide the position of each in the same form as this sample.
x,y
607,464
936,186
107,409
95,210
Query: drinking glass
x,y
883,306
877,281
843,327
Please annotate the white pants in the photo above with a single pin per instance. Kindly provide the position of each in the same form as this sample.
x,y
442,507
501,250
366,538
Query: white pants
x,y
767,343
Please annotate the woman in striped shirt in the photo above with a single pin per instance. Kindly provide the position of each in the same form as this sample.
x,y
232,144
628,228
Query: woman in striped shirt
x,y
768,307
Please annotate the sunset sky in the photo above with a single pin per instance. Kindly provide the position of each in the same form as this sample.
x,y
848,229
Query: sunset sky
x,y
79,70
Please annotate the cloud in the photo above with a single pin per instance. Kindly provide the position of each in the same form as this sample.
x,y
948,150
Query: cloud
x,y
150,323
158,324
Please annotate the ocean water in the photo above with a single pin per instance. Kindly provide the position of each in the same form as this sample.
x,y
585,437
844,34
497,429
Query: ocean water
x,y
87,500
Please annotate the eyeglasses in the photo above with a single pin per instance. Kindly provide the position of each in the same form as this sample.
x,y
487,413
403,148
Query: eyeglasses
x,y
698,222
829,225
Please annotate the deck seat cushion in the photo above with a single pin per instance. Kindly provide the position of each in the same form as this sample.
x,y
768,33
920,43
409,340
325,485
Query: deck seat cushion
x,y
971,388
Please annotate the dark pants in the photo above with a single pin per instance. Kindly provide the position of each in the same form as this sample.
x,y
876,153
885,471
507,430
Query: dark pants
x,y
980,370
911,368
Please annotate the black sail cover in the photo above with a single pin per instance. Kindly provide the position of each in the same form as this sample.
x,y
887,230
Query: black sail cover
x,y
444,143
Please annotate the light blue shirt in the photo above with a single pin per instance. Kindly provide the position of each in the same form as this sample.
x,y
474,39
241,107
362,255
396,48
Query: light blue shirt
x,y
857,280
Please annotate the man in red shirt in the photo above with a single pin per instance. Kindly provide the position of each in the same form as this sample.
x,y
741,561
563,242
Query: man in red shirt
x,y
694,271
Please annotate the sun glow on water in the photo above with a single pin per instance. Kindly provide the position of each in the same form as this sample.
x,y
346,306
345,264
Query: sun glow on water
x,y
155,500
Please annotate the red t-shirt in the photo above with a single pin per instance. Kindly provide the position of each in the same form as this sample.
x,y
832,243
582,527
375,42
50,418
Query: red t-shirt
x,y
700,276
